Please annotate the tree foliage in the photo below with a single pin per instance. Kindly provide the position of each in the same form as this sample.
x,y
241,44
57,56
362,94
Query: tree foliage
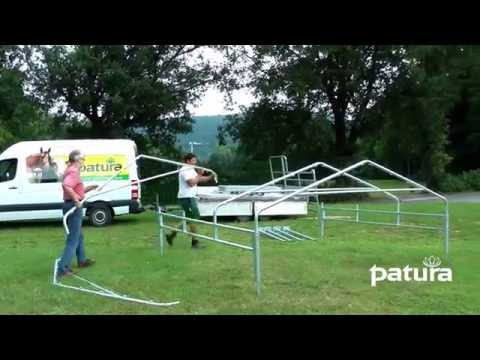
x,y
234,166
414,108
464,131
271,129
414,114
20,117
334,83
136,91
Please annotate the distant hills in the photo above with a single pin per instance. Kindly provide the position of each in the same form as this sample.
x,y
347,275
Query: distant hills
x,y
204,131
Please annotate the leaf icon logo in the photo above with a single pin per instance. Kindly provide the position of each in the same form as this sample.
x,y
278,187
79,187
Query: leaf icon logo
x,y
432,261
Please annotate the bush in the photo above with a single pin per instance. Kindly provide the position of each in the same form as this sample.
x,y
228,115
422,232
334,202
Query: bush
x,y
235,167
467,181
452,183
472,179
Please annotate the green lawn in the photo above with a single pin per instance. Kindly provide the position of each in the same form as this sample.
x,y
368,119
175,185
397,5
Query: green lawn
x,y
327,276
390,183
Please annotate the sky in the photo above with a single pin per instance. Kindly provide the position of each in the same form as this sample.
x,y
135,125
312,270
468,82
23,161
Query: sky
x,y
212,103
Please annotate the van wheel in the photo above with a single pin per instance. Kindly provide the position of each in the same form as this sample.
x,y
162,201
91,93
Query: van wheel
x,y
100,215
244,218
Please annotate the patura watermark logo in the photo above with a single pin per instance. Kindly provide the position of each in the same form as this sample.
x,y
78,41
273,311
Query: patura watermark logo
x,y
431,271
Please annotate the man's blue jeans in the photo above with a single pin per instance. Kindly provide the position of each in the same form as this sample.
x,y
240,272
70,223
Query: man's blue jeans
x,y
74,241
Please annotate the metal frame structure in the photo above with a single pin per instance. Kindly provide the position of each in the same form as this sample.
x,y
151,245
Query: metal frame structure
x,y
286,233
311,189
283,233
314,190
292,192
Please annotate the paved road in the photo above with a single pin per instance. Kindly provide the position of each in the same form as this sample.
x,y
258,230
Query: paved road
x,y
470,197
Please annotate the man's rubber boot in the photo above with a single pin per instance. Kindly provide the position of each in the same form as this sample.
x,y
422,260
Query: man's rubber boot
x,y
170,238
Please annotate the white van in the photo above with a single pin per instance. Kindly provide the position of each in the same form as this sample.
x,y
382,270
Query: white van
x,y
31,175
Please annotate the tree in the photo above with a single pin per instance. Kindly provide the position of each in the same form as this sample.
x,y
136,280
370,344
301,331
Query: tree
x,y
20,117
137,91
233,166
338,83
272,129
415,114
464,134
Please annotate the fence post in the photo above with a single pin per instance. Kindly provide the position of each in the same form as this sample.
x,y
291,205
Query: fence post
x,y
322,220
160,223
398,213
256,259
160,219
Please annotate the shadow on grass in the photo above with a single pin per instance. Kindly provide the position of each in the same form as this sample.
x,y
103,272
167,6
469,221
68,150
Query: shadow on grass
x,y
29,224
44,224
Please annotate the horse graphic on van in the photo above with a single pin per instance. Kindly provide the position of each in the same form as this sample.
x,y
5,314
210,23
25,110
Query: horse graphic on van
x,y
42,167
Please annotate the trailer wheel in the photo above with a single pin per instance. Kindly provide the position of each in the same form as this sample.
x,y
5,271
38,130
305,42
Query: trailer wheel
x,y
100,215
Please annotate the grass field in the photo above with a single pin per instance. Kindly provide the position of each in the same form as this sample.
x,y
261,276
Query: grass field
x,y
328,276
390,183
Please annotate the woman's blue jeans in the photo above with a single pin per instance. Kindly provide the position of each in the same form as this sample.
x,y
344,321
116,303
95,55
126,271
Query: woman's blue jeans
x,y
74,241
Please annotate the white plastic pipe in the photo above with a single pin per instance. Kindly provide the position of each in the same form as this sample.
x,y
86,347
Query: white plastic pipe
x,y
106,292
99,191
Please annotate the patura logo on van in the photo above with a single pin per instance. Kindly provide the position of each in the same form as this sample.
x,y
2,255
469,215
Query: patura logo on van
x,y
106,166
103,166
431,271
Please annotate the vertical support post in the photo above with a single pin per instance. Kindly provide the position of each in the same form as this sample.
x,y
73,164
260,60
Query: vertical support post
x,y
160,225
447,229
283,171
319,212
215,227
314,178
271,167
398,213
184,221
322,220
160,219
357,213
256,259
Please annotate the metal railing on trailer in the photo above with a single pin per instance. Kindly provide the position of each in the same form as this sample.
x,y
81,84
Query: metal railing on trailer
x,y
298,181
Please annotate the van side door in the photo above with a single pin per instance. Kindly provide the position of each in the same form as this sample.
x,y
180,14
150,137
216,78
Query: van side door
x,y
10,188
42,187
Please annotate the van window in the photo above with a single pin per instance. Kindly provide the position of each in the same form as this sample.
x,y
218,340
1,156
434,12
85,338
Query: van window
x,y
42,167
8,169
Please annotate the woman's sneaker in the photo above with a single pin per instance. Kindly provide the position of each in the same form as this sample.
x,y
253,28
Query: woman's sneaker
x,y
86,263
62,274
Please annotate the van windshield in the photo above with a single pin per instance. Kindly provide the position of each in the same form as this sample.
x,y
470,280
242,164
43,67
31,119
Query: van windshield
x,y
8,169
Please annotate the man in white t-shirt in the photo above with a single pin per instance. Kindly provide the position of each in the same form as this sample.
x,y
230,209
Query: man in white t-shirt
x,y
188,178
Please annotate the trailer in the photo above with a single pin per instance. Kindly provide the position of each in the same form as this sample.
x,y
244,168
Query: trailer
x,y
210,196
